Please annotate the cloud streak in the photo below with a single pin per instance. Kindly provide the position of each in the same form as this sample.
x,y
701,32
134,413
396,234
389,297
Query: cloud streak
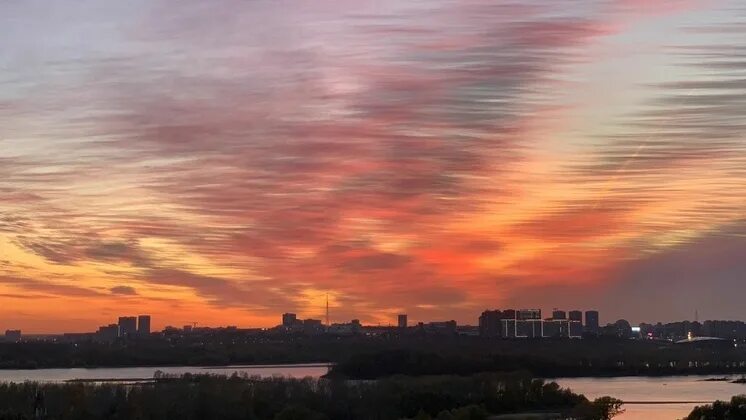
x,y
429,157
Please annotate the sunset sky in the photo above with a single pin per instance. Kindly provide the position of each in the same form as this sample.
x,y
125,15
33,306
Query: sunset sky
x,y
224,162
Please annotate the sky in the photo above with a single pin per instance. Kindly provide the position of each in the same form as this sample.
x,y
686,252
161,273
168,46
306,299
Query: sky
x,y
225,162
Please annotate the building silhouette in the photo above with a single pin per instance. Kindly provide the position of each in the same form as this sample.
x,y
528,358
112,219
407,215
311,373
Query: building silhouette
x,y
528,314
575,316
402,320
558,314
591,322
127,326
289,320
527,323
439,327
143,325
312,326
107,333
349,328
490,323
724,329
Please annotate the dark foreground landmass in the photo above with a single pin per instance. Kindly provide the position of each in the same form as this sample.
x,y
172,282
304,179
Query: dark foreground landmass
x,y
363,357
567,360
735,409
214,397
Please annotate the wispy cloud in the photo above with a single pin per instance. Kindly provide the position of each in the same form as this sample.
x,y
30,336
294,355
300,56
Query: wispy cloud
x,y
433,157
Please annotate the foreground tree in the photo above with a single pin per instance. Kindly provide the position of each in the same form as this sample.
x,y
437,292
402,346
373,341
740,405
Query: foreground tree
x,y
604,408
733,410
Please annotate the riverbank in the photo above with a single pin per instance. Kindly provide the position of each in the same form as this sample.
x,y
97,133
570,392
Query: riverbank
x,y
361,357
613,360
128,374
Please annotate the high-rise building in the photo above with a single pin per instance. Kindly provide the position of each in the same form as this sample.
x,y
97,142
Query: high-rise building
x,y
557,314
575,316
591,322
289,320
510,323
525,314
127,326
402,320
143,325
490,323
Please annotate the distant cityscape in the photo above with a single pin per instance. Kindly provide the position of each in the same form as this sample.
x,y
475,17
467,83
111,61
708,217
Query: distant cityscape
x,y
494,324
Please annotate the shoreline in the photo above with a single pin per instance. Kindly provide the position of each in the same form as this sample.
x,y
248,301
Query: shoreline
x,y
176,365
664,402
716,376
711,376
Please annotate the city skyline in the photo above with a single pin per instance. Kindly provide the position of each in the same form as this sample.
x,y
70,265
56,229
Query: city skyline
x,y
587,316
224,165
502,323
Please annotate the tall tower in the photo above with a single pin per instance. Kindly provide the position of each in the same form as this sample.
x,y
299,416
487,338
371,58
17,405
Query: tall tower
x,y
591,322
327,310
402,320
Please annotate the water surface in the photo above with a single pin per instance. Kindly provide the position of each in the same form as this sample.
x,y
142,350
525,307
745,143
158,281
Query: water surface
x,y
678,394
136,373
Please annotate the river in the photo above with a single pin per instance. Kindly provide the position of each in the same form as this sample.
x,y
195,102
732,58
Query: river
x,y
137,373
670,397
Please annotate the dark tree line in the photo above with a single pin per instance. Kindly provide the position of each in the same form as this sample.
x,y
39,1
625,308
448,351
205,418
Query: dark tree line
x,y
564,359
233,398
735,409
367,357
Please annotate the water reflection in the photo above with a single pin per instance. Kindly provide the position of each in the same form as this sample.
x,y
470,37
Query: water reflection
x,y
682,394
